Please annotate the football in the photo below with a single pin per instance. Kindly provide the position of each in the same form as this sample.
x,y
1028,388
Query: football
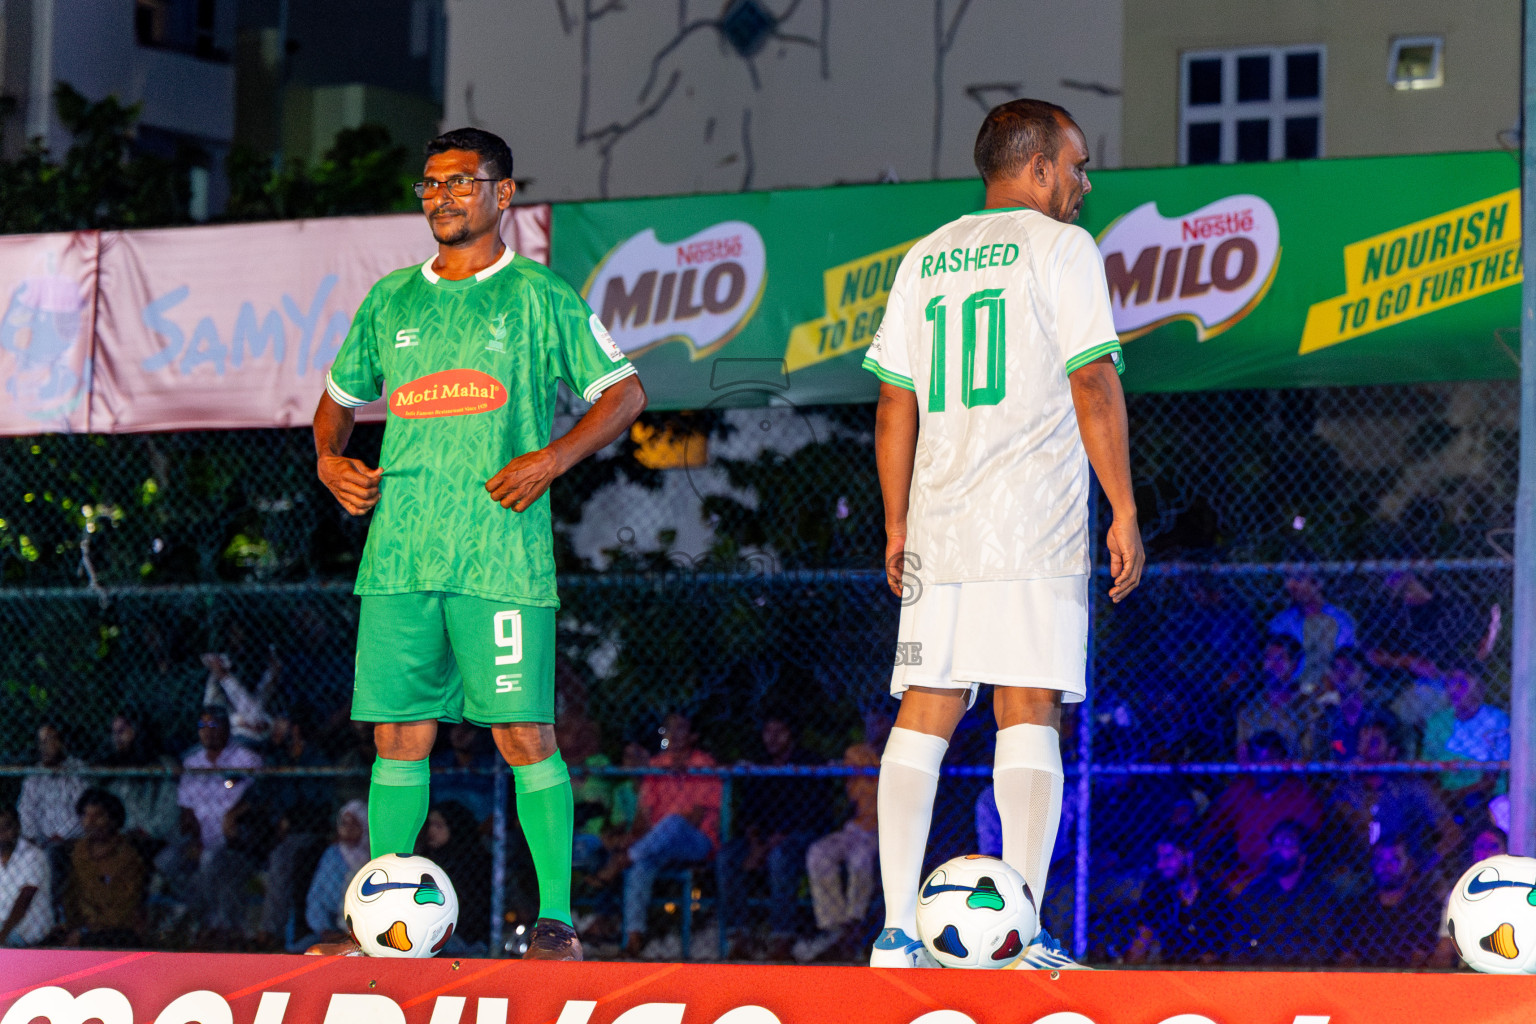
x,y
976,911
1492,915
401,906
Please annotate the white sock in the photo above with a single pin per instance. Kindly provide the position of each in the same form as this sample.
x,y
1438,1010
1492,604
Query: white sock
x,y
1027,780
909,779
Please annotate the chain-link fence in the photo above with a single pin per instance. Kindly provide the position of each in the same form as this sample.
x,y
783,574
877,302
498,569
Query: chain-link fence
x,y
1320,619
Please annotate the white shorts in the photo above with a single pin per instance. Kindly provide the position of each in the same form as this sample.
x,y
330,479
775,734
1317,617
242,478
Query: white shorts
x,y
1000,632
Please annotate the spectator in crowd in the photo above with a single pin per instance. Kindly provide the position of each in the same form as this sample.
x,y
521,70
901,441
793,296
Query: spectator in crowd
x,y
1281,708
1425,625
204,797
677,822
468,751
1184,917
1346,700
1371,806
1317,626
47,805
839,905
1469,730
780,817
1419,697
297,809
26,886
451,839
1489,841
104,897
1397,923
1241,819
250,724
604,807
153,815
323,911
1288,915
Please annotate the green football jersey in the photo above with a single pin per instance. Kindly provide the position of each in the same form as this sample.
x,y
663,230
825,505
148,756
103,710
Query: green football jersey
x,y
471,369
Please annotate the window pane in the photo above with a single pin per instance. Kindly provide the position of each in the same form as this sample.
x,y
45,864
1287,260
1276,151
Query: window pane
x,y
1303,76
1253,79
1204,81
1301,138
1205,143
1253,140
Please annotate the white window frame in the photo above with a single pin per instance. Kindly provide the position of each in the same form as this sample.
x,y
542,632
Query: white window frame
x,y
1229,112
1394,56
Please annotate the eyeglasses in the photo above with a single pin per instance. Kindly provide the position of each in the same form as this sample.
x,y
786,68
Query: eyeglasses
x,y
208,723
457,186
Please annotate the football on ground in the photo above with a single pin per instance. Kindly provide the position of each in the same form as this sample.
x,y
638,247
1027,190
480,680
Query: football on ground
x,y
401,906
1492,915
976,911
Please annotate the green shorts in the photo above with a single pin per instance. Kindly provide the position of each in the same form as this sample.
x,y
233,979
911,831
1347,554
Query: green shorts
x,y
453,657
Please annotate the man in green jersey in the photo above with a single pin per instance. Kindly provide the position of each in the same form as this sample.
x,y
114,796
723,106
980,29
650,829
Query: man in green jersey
x,y
458,576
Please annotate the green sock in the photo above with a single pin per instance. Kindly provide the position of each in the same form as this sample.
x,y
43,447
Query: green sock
x,y
546,810
397,805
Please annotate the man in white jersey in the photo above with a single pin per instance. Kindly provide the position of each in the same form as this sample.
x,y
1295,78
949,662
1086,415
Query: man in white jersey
x,y
999,384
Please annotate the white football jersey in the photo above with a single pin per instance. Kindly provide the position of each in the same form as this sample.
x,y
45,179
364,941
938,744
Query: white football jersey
x,y
986,318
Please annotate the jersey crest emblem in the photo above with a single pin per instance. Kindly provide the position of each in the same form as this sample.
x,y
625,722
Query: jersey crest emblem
x,y
499,331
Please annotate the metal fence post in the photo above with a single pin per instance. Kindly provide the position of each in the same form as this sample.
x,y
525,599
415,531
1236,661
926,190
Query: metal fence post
x,y
721,901
498,857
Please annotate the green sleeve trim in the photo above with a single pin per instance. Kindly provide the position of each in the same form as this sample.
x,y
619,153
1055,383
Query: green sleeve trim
x,y
1108,348
895,379
595,390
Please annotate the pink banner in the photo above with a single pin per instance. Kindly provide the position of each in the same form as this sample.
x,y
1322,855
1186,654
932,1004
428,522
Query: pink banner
x,y
196,328
46,331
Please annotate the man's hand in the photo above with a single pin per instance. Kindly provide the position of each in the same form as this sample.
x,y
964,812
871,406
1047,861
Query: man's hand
x,y
524,480
351,481
895,559
1126,557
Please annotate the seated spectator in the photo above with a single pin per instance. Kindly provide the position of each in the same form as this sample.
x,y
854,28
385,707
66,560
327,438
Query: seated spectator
x,y
839,905
153,815
249,721
1418,698
677,823
47,804
1347,698
1184,917
780,817
205,796
299,808
1490,841
1469,730
1396,923
1241,819
1282,707
451,839
26,886
604,807
1287,916
1318,627
323,909
1371,806
1424,624
104,897
468,751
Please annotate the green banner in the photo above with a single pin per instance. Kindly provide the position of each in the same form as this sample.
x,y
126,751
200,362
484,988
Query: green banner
x,y
1336,272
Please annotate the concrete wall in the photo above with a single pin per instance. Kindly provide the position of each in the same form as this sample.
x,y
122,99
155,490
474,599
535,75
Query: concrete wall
x,y
599,98
1363,114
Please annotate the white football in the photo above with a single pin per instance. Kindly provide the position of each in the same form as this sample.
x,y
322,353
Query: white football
x,y
1492,915
401,906
976,911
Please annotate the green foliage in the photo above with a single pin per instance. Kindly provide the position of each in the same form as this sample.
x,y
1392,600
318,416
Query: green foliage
x,y
364,172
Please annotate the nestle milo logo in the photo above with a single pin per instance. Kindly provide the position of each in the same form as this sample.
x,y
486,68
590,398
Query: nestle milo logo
x,y
1210,267
699,291
447,393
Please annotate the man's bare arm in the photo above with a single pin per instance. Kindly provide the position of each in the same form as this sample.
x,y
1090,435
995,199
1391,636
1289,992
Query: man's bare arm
x,y
19,910
1100,405
895,447
522,481
350,480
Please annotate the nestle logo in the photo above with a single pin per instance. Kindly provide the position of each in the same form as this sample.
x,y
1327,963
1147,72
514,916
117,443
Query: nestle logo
x,y
1216,225
709,251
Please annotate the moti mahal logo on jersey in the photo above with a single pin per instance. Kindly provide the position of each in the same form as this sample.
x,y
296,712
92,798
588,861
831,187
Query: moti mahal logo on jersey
x,y
699,291
1211,267
448,393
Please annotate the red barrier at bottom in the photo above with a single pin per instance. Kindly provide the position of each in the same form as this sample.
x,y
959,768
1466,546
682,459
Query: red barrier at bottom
x,y
60,987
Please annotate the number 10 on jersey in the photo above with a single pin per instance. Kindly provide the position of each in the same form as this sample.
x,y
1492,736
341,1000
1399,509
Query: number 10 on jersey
x,y
990,391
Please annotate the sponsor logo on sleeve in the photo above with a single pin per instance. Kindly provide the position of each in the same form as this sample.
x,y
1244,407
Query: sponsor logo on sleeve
x,y
448,393
699,291
1211,267
605,339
